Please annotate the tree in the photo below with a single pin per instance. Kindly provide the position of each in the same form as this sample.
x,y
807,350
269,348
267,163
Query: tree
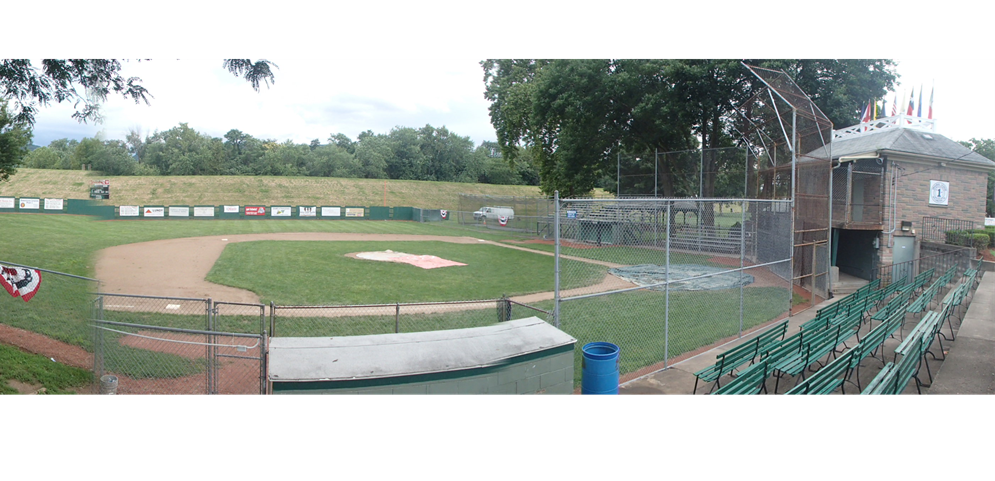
x,y
985,148
15,136
576,116
87,83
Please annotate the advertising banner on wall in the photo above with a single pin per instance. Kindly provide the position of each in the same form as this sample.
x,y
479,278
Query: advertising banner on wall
x,y
331,212
354,211
255,211
128,211
179,212
306,211
53,204
154,212
30,203
231,209
281,211
7,203
203,211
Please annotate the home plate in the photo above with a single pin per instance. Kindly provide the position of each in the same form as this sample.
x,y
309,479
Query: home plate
x,y
425,262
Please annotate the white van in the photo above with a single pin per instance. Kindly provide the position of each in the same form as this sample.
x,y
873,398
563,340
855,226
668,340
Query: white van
x,y
493,213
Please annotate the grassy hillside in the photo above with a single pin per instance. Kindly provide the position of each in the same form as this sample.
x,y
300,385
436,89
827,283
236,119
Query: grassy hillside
x,y
218,190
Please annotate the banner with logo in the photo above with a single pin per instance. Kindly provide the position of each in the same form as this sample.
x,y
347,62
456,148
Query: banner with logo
x,y
255,211
203,211
20,281
53,204
30,204
7,203
231,209
354,211
179,211
331,212
128,211
154,212
306,211
281,211
444,214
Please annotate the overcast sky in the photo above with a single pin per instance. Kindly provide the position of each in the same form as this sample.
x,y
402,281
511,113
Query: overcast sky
x,y
313,99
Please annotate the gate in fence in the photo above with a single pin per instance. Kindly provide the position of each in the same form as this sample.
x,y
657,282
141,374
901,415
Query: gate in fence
x,y
172,345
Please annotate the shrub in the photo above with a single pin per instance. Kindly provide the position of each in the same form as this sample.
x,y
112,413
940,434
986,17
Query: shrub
x,y
957,237
981,241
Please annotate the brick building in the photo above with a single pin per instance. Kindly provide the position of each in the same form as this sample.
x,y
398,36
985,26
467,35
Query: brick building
x,y
890,174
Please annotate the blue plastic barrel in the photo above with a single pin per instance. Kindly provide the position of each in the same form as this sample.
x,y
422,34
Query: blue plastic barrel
x,y
599,368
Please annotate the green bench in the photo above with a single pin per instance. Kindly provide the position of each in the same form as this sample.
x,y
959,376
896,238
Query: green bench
x,y
925,331
951,302
891,288
894,377
830,377
751,380
922,302
728,361
795,359
873,342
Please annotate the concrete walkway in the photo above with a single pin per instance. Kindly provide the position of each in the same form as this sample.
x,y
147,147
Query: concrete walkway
x,y
967,368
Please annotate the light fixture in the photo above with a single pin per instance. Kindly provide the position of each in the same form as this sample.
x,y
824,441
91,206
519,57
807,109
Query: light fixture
x,y
943,164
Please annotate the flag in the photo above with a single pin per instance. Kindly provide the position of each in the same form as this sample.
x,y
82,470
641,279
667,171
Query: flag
x,y
911,98
884,106
867,113
919,112
20,281
875,116
894,106
931,102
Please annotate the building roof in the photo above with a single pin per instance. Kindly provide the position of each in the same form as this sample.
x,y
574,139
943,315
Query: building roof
x,y
907,141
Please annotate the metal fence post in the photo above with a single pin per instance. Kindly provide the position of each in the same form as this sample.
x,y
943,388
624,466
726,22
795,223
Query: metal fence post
x,y
666,299
556,260
397,318
272,319
742,262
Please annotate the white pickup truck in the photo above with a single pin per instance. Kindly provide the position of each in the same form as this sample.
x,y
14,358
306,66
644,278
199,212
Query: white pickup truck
x,y
494,213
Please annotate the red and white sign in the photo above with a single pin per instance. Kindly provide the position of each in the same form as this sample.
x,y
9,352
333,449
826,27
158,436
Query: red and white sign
x,y
6,203
154,212
53,204
20,281
444,213
128,211
101,182
255,210
503,220
231,209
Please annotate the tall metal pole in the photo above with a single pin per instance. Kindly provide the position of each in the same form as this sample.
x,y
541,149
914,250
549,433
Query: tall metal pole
x,y
666,300
742,255
656,167
618,175
701,173
794,176
556,260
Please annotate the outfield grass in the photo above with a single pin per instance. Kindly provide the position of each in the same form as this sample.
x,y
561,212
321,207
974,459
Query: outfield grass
x,y
61,308
319,273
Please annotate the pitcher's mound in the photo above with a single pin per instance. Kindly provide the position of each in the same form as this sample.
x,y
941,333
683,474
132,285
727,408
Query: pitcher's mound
x,y
425,262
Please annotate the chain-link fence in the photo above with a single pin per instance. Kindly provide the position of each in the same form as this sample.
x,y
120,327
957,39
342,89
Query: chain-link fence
x,y
505,213
701,173
56,321
173,345
679,274
359,320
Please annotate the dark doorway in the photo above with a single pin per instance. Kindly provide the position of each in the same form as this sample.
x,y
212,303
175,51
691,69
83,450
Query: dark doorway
x,y
856,252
